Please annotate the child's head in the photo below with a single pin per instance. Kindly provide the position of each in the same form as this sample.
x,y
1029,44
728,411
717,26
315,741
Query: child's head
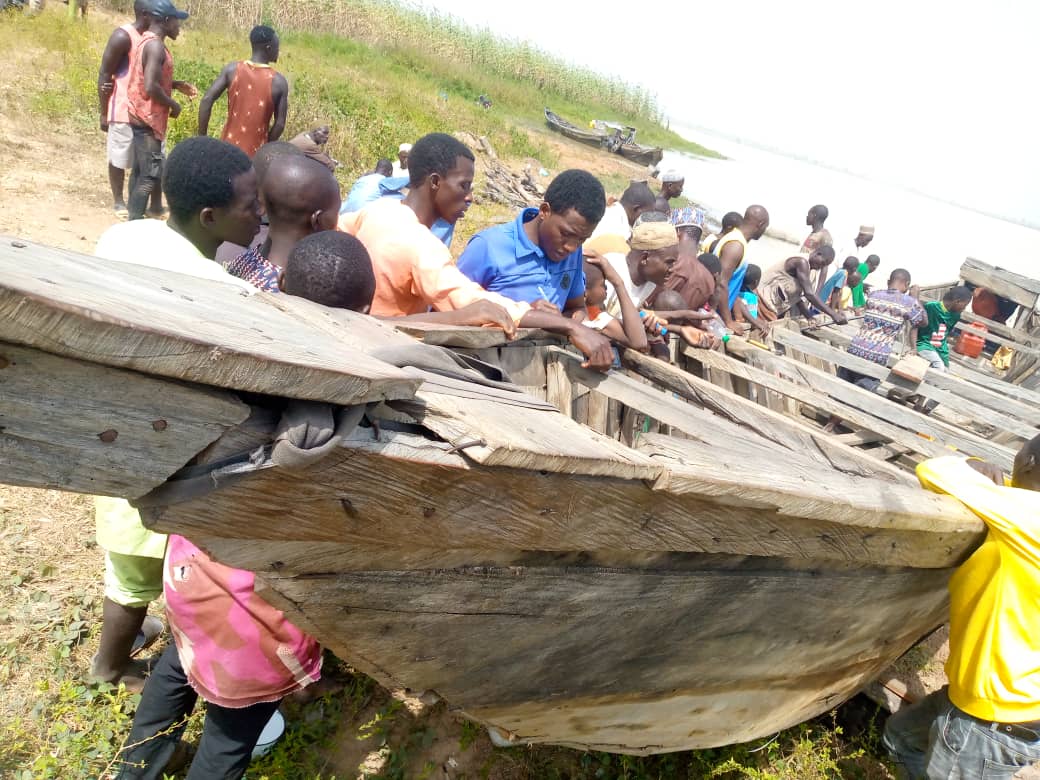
x,y
595,286
957,298
731,220
333,269
873,261
300,193
711,262
752,277
854,278
899,280
850,264
669,300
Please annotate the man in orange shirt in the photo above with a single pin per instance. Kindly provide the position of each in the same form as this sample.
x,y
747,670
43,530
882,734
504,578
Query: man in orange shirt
x,y
415,271
256,93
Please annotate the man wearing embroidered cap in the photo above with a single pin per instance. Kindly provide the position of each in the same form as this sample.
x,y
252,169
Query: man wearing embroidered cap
x,y
671,187
401,166
150,99
257,93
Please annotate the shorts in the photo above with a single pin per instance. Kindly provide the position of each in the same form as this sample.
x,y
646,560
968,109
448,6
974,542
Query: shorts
x,y
120,141
132,580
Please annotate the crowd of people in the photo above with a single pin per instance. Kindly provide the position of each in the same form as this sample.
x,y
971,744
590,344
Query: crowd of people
x,y
268,216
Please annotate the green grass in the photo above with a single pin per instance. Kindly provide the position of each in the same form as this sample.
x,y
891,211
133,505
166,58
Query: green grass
x,y
373,96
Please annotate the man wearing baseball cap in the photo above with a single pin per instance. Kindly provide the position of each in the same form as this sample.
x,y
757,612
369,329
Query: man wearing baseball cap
x,y
401,166
150,99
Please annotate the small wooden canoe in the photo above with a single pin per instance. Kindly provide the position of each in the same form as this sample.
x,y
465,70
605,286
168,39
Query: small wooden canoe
x,y
544,577
610,141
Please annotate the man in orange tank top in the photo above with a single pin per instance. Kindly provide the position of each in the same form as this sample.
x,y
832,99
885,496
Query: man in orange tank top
x,y
150,100
256,94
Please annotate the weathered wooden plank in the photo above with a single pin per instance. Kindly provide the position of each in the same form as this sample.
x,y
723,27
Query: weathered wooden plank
x,y
784,433
85,428
977,411
182,327
899,415
398,495
861,437
558,389
521,437
525,365
467,337
1007,284
821,401
996,390
598,410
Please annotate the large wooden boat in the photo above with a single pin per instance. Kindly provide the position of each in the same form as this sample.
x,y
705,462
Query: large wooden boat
x,y
522,550
613,138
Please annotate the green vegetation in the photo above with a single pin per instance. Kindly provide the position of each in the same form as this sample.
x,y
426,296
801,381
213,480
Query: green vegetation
x,y
399,75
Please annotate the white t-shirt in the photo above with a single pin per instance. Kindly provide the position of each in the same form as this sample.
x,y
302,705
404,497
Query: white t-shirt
x,y
614,223
398,170
600,321
638,293
153,243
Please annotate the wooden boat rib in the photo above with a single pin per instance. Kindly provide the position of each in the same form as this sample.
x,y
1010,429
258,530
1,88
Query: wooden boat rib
x,y
644,155
711,586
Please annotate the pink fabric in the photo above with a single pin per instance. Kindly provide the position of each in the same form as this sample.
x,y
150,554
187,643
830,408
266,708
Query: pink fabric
x,y
119,104
236,649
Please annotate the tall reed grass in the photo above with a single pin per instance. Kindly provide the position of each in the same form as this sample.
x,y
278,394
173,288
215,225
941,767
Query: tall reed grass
x,y
391,24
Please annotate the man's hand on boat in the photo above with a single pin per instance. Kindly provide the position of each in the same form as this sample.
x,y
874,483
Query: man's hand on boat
x,y
599,355
488,314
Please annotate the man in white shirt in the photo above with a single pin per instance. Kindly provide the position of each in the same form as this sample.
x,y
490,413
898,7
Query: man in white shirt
x,y
621,215
212,196
211,190
401,166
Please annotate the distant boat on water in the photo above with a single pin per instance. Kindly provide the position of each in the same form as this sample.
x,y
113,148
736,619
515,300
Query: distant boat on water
x,y
610,136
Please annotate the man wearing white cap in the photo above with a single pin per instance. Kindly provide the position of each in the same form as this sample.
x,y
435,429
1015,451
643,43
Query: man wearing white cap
x,y
671,187
401,166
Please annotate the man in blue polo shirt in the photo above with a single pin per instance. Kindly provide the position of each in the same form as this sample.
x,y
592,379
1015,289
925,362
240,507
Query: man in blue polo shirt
x,y
537,259
537,256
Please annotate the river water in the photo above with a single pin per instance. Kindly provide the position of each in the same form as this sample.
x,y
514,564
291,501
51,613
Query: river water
x,y
923,234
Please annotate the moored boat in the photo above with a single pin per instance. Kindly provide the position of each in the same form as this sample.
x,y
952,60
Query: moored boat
x,y
613,137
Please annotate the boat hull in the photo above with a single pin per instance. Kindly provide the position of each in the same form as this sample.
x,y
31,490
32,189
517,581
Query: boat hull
x,y
677,652
545,606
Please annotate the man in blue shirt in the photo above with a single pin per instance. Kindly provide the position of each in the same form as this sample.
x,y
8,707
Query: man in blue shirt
x,y
537,256
537,259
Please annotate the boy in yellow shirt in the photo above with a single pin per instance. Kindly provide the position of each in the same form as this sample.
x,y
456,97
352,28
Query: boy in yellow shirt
x,y
986,723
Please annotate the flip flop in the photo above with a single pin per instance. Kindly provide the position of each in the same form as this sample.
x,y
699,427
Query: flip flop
x,y
122,212
151,629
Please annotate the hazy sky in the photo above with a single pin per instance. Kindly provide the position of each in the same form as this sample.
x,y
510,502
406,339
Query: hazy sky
x,y
935,96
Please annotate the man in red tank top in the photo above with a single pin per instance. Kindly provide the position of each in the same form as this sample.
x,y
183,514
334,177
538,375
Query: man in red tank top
x,y
150,100
256,94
